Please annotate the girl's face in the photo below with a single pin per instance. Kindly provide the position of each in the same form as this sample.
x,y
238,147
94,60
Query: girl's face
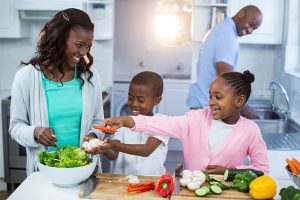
x,y
224,102
141,100
78,44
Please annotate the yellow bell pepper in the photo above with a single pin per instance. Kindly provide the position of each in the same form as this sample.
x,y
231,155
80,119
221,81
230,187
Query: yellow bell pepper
x,y
263,187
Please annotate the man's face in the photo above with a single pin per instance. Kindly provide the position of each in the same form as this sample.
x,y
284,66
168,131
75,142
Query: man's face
x,y
248,22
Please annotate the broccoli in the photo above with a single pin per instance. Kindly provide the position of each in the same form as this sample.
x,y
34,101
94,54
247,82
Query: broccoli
x,y
290,193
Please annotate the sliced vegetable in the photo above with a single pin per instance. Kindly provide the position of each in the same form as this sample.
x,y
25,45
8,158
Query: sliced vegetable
x,y
229,174
202,191
105,129
207,177
140,187
220,184
215,189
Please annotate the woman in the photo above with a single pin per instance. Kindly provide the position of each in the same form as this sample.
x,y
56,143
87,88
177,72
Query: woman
x,y
56,96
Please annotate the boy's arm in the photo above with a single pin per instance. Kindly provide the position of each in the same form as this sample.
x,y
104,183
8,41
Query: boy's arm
x,y
111,153
138,149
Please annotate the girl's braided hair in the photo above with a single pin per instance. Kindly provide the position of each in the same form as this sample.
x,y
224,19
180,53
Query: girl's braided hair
x,y
52,42
240,82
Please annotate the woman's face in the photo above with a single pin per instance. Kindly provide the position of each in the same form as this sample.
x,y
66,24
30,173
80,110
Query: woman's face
x,y
224,102
78,44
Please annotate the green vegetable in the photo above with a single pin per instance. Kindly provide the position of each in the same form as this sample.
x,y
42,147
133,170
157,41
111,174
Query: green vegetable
x,y
215,189
202,191
220,184
290,193
230,173
64,157
242,180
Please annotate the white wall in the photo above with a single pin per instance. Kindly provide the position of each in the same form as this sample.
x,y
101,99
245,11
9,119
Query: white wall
x,y
15,50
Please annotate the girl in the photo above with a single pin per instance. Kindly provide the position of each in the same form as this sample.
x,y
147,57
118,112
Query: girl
x,y
56,97
214,138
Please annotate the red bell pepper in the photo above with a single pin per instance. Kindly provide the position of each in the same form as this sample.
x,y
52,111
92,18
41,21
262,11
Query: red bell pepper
x,y
140,187
165,185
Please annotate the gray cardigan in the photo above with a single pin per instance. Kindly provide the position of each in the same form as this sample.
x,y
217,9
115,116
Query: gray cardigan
x,y
29,110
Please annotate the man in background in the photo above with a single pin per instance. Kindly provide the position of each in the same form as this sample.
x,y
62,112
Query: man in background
x,y
219,53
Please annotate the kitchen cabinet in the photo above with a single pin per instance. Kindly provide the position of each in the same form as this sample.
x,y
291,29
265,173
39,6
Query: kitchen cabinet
x,y
174,97
206,14
11,26
271,29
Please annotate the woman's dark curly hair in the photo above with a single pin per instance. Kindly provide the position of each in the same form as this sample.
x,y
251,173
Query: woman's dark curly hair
x,y
52,43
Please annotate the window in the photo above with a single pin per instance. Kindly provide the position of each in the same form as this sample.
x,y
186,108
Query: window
x,y
171,23
292,51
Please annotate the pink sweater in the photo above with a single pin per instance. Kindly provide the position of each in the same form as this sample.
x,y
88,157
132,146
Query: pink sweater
x,y
193,130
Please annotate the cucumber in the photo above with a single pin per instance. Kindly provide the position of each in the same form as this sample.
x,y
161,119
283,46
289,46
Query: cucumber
x,y
215,189
207,177
220,184
214,182
230,173
202,191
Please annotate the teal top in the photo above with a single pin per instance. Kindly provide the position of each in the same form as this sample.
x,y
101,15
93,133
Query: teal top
x,y
64,105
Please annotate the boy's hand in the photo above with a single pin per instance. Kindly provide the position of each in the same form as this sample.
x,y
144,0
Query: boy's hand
x,y
99,149
118,122
215,169
89,137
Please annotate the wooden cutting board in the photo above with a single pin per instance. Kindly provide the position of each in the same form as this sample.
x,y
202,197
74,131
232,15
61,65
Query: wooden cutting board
x,y
114,186
186,194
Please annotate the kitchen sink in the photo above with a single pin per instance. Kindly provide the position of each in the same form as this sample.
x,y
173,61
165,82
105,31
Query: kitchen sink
x,y
277,126
266,114
280,134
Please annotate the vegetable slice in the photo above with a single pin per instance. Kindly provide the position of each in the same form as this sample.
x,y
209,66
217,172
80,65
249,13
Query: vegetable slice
x,y
105,129
201,192
215,189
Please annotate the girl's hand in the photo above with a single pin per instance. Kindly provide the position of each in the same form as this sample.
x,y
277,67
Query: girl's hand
x,y
118,122
215,169
45,136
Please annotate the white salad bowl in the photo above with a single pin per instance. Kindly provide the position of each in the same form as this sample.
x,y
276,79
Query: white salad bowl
x,y
67,177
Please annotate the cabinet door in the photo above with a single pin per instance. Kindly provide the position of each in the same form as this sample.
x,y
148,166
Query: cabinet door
x,y
10,24
271,29
174,97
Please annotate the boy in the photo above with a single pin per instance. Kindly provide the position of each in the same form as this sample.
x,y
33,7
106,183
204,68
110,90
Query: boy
x,y
139,153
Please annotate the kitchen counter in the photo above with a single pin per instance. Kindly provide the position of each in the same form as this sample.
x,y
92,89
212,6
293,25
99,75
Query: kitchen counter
x,y
36,186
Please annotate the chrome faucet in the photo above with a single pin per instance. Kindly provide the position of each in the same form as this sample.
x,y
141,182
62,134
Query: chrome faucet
x,y
285,112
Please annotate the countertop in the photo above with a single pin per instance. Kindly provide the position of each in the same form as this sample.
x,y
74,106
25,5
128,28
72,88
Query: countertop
x,y
36,186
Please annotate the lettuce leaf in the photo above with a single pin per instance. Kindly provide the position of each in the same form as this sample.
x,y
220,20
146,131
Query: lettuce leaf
x,y
65,157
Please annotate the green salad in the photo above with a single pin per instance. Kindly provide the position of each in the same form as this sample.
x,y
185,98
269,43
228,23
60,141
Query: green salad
x,y
65,157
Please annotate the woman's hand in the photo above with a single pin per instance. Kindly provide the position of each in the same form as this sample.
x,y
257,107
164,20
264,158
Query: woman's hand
x,y
215,169
118,122
45,136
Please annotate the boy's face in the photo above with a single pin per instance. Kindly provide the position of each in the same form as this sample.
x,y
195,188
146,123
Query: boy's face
x,y
224,102
141,99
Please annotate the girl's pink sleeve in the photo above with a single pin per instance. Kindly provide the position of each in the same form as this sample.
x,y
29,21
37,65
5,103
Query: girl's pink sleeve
x,y
258,155
165,126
